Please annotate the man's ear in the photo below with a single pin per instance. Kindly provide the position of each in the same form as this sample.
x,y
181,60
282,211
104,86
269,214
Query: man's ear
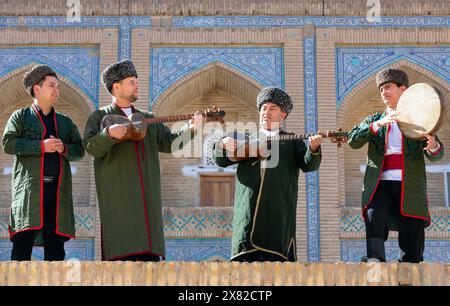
x,y
402,88
36,89
284,115
115,86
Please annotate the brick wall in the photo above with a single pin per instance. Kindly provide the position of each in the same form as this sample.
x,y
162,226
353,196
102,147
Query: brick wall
x,y
231,7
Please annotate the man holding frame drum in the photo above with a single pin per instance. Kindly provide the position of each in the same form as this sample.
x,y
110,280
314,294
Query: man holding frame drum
x,y
394,195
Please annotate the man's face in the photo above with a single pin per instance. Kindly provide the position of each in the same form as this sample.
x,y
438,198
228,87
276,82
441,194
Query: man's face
x,y
390,94
48,92
271,116
127,89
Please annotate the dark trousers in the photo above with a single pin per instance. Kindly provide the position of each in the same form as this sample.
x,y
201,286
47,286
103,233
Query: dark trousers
x,y
263,256
53,243
385,205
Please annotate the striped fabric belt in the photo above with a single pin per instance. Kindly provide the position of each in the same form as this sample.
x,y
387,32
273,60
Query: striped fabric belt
x,y
49,179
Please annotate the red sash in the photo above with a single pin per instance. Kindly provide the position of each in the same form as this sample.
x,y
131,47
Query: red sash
x,y
392,162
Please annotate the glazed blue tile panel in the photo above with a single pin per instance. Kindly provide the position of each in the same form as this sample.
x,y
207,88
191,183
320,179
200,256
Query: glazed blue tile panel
x,y
198,249
81,249
9,21
312,178
351,221
299,21
86,21
231,21
435,250
124,39
78,64
124,23
355,64
167,65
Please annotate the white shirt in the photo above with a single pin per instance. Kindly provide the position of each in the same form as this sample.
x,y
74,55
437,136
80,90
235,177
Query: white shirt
x,y
394,146
270,133
127,110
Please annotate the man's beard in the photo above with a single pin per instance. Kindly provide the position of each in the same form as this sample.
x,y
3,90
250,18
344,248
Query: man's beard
x,y
132,98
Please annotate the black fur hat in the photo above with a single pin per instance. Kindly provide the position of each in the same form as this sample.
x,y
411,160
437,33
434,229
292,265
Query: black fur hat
x,y
276,96
117,72
35,75
391,75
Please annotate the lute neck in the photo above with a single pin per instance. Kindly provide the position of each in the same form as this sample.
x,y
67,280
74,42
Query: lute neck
x,y
168,118
304,136
288,137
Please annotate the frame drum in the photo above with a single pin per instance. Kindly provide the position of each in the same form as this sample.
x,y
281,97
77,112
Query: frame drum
x,y
420,110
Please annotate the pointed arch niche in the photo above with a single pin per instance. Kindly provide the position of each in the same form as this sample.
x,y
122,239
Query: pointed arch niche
x,y
363,100
184,180
74,102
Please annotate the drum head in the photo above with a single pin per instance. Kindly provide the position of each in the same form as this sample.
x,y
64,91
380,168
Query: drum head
x,y
420,110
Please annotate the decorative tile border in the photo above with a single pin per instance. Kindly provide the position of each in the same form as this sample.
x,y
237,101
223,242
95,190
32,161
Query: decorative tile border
x,y
198,249
178,222
85,21
79,65
439,225
231,21
435,250
169,64
124,23
352,223
9,21
124,38
197,222
4,221
299,21
177,249
355,64
312,178
217,222
219,249
85,222
81,249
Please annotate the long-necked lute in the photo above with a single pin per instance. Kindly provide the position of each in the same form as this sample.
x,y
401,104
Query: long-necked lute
x,y
137,123
260,147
